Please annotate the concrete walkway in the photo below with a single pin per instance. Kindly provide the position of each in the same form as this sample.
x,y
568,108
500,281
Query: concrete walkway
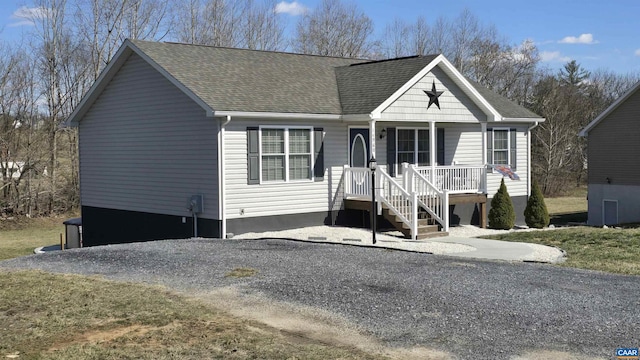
x,y
467,247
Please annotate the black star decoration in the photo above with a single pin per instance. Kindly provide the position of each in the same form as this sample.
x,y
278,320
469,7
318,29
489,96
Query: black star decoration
x,y
433,95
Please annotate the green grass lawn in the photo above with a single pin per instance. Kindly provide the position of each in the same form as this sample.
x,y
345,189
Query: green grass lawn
x,y
47,316
19,236
52,316
610,250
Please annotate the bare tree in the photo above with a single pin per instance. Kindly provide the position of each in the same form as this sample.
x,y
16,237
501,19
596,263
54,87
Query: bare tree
x,y
334,29
262,27
102,25
210,22
396,41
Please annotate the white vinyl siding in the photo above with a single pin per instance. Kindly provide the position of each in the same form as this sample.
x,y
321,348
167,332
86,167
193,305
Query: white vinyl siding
x,y
147,147
455,105
278,197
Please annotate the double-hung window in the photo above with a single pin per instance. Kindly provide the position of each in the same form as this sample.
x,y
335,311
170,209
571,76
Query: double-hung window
x,y
501,147
413,146
285,154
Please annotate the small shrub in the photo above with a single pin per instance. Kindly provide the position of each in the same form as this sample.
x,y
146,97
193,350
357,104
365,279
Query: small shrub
x,y
502,215
536,214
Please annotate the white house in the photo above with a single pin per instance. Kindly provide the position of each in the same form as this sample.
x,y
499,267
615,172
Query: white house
x,y
255,140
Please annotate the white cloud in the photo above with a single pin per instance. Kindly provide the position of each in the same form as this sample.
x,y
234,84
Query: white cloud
x,y
293,8
582,39
553,56
26,15
637,52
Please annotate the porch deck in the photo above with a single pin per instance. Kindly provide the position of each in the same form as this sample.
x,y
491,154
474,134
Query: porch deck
x,y
359,203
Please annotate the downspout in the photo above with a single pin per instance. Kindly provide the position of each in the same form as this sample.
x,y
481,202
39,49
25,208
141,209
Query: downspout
x,y
529,168
221,174
483,130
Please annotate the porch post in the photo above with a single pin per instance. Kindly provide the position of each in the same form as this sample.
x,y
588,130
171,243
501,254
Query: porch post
x,y
372,138
432,150
483,129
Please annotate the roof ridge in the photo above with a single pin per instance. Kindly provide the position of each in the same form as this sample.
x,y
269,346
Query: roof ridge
x,y
251,50
394,59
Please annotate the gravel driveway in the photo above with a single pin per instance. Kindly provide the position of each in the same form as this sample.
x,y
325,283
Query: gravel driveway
x,y
472,309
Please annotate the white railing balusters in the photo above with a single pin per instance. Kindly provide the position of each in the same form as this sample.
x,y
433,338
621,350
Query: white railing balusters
x,y
398,201
456,179
432,199
415,190
357,182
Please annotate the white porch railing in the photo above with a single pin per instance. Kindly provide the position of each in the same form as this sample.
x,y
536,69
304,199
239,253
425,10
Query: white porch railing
x,y
399,202
430,198
357,182
424,187
456,179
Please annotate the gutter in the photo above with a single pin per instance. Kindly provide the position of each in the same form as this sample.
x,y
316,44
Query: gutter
x,y
530,168
221,176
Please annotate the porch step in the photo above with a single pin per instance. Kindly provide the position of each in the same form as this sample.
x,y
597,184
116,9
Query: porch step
x,y
426,228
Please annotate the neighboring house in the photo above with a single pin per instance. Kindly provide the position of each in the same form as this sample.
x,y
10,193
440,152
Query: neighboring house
x,y
270,140
613,156
11,169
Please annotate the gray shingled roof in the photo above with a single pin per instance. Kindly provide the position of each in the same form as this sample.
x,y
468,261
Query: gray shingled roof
x,y
504,106
364,86
230,79
245,80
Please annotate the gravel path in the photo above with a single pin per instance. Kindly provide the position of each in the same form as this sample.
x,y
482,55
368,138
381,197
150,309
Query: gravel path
x,y
472,309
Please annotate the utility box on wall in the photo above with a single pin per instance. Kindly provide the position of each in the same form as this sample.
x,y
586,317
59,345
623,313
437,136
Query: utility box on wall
x,y
196,204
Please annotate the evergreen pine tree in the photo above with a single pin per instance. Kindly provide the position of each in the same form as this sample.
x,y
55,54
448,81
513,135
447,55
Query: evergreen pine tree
x,y
502,215
536,214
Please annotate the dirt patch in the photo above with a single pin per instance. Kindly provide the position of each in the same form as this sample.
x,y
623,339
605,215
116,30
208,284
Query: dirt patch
x,y
107,335
307,325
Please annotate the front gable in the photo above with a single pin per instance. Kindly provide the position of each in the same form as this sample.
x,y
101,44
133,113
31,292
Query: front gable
x,y
455,104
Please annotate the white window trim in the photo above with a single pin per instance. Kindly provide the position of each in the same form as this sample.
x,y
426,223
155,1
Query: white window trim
x,y
493,146
286,129
415,142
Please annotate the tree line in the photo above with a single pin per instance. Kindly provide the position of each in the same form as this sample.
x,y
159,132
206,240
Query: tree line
x,y
44,76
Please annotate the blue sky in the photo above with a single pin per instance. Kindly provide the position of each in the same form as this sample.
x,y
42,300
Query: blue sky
x,y
598,34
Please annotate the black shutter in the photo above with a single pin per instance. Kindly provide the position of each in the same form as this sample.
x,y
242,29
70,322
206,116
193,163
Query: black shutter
x,y
318,144
489,146
391,151
440,146
512,150
253,156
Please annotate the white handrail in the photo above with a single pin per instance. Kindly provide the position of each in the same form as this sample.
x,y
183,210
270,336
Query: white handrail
x,y
399,202
457,179
429,197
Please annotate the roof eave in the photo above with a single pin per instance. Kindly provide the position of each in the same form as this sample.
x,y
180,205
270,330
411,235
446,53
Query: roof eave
x,y
99,84
607,111
524,120
277,115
